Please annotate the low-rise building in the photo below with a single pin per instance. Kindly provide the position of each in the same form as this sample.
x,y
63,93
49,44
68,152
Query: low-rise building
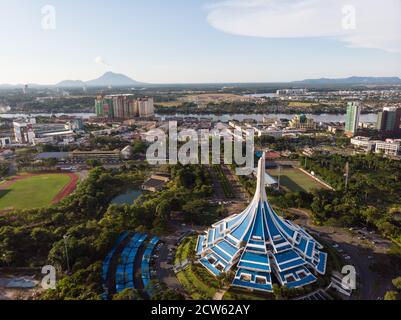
x,y
30,132
364,143
77,155
156,182
389,147
301,122
126,153
288,92
5,142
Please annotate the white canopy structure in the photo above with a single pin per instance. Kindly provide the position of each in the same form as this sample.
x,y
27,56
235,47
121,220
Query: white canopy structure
x,y
258,243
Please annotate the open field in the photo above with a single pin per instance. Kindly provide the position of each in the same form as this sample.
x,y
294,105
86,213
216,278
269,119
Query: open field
x,y
295,180
35,191
205,98
296,104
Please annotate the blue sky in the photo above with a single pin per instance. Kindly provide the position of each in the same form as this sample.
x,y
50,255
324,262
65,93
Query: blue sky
x,y
181,41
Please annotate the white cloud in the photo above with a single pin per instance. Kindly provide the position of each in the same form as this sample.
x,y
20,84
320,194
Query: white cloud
x,y
377,23
101,61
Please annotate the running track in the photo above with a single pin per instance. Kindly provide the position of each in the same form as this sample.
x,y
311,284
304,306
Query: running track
x,y
67,190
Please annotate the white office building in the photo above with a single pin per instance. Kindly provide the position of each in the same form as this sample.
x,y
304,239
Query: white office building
x,y
389,147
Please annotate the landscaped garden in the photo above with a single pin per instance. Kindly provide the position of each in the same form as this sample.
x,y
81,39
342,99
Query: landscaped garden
x,y
195,279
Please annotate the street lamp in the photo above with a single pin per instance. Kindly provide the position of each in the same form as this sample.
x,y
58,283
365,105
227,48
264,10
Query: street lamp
x,y
65,237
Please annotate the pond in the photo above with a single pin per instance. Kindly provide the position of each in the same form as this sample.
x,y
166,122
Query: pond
x,y
127,198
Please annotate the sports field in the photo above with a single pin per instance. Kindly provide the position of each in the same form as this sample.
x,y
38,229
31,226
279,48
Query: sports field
x,y
295,180
35,191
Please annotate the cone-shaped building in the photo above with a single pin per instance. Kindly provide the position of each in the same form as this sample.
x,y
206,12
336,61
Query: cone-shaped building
x,y
257,243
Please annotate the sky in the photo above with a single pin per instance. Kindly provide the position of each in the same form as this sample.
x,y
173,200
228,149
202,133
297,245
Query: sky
x,y
198,41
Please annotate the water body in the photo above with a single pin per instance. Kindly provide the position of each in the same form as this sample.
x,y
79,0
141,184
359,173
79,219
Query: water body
x,y
25,115
127,198
370,117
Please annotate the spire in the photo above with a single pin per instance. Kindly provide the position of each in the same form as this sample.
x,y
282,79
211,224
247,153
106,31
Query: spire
x,y
260,193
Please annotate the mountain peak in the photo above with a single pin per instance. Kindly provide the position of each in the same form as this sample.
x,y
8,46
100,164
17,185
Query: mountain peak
x,y
112,79
109,78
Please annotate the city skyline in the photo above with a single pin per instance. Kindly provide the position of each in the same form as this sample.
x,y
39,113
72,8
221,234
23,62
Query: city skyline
x,y
199,41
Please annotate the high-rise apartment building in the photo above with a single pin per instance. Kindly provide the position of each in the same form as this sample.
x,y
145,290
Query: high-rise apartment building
x,y
352,118
389,120
145,107
123,106
104,107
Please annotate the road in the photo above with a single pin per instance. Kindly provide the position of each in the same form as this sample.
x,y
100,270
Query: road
x,y
372,285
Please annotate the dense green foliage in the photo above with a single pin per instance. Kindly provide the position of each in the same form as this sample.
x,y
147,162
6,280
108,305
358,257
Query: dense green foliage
x,y
4,169
271,106
57,105
372,197
34,238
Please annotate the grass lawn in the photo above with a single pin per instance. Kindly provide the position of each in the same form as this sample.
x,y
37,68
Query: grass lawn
x,y
295,180
242,294
195,279
184,249
32,192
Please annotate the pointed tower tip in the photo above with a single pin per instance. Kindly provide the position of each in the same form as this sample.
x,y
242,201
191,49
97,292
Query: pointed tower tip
x,y
260,185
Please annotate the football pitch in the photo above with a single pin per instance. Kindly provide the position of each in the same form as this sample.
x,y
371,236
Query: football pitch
x,y
295,180
31,191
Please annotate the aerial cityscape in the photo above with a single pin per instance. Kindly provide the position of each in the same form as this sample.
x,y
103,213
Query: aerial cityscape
x,y
210,157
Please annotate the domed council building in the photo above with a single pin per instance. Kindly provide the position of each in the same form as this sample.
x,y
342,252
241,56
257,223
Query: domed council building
x,y
257,243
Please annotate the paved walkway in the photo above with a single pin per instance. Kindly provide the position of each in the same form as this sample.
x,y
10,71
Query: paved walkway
x,y
219,295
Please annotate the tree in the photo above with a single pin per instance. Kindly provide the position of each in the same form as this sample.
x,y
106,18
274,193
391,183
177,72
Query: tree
x,y
139,147
4,169
94,163
225,279
199,211
163,210
391,295
397,283
186,178
162,292
128,294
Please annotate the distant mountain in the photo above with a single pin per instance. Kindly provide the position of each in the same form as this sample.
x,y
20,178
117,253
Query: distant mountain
x,y
108,79
120,80
70,84
112,79
353,80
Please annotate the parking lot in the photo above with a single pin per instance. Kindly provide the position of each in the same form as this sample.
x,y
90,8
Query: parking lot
x,y
357,249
